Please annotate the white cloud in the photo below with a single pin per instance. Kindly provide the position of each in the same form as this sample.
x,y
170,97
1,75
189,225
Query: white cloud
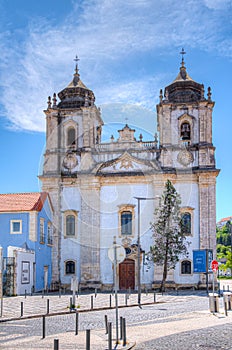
x,y
106,35
217,4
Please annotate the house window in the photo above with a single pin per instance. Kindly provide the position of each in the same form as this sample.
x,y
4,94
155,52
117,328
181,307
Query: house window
x,y
49,233
41,231
70,224
16,226
70,267
71,137
186,267
185,131
186,223
126,223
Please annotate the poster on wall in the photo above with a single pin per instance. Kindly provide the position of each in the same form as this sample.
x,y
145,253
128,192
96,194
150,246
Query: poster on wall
x,y
25,274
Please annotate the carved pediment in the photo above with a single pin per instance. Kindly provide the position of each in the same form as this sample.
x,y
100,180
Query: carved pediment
x,y
126,163
186,116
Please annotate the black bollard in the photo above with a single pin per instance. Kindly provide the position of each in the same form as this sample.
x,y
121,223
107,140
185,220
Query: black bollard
x,y
95,292
56,344
91,302
110,301
87,339
43,327
126,299
121,331
59,292
25,293
21,308
225,307
109,336
76,332
106,324
124,331
70,304
47,306
154,298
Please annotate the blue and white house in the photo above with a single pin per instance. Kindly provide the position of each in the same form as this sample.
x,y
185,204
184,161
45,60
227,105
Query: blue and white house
x,y
26,239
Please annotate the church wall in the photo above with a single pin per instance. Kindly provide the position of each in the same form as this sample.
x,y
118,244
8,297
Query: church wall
x,y
112,198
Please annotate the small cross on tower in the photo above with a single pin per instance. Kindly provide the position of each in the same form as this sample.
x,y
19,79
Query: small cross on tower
x,y
182,53
76,59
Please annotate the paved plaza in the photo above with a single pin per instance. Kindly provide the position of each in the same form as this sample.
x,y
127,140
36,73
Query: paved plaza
x,y
175,321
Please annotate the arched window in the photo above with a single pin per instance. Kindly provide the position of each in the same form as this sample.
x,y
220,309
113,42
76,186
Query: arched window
x,y
186,223
185,131
126,223
70,267
186,267
70,225
71,137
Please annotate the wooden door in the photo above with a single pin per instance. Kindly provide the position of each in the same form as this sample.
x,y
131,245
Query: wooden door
x,y
127,274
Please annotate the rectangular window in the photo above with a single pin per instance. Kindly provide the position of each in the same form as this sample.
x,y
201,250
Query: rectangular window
x,y
41,231
16,226
49,233
126,223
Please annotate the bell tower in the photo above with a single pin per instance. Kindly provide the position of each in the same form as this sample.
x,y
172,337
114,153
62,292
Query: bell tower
x,y
184,117
185,123
73,129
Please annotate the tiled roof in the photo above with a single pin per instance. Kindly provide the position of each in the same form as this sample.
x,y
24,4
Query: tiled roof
x,y
22,201
225,219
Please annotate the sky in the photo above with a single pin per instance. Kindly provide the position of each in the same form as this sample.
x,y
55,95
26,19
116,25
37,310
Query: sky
x,y
128,51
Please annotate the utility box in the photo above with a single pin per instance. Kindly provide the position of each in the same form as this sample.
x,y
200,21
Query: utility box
x,y
213,302
227,298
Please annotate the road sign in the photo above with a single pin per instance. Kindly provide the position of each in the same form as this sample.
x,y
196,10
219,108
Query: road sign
x,y
214,265
120,253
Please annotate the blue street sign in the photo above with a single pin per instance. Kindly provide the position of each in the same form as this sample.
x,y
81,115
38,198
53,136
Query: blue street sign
x,y
199,261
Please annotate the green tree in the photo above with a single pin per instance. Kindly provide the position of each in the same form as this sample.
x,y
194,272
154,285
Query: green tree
x,y
228,264
169,238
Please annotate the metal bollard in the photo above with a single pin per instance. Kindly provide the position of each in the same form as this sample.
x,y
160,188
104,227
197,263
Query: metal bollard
x,y
95,292
225,307
121,331
110,301
91,302
70,304
47,306
76,326
126,299
59,292
42,293
106,324
154,298
87,339
146,291
109,336
124,331
56,344
43,327
25,293
21,309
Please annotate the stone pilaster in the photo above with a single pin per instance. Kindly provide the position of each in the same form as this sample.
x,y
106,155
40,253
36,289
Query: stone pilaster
x,y
207,210
90,231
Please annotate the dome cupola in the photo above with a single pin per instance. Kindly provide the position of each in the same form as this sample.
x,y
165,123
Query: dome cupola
x,y
184,89
76,94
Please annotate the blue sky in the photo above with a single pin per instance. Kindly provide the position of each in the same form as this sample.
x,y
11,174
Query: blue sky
x,y
128,51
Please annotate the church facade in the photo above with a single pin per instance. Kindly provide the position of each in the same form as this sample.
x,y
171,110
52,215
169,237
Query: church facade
x,y
96,187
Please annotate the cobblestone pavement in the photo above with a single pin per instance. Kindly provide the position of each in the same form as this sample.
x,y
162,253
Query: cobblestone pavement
x,y
175,322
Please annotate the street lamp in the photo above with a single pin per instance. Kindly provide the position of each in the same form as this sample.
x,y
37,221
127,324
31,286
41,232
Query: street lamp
x,y
139,199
